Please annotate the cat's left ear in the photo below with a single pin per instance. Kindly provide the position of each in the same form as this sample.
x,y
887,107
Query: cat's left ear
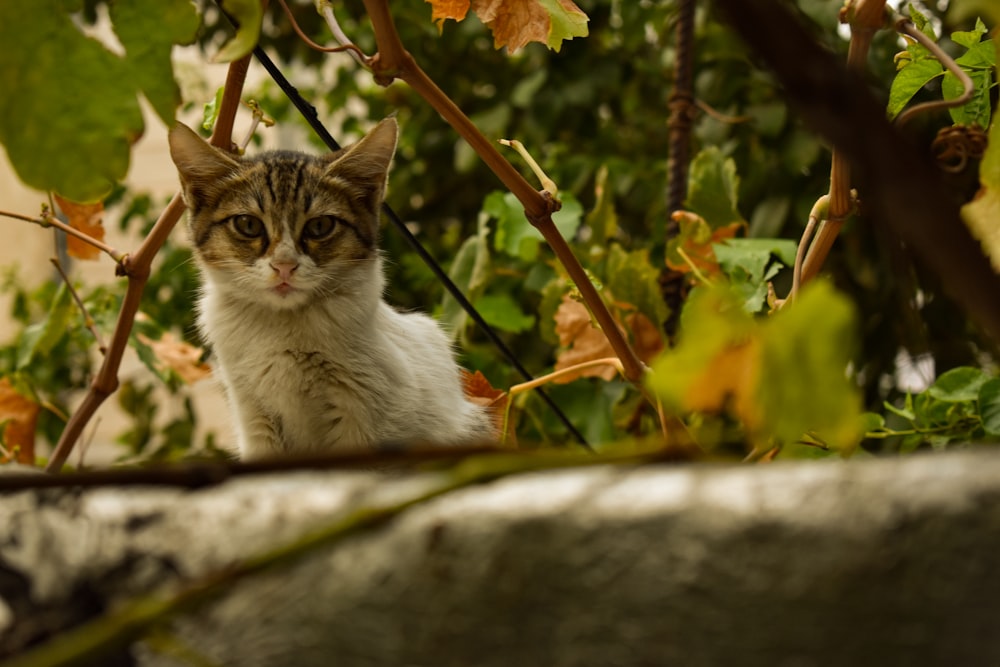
x,y
366,163
201,166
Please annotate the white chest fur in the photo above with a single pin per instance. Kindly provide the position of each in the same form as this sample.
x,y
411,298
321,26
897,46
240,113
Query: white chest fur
x,y
332,376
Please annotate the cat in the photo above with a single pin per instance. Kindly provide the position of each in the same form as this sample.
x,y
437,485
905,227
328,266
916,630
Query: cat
x,y
311,357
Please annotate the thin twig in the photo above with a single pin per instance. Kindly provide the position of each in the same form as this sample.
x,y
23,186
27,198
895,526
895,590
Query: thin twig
x,y
694,267
866,18
547,183
815,215
719,116
258,117
325,10
906,26
563,372
354,50
50,220
88,321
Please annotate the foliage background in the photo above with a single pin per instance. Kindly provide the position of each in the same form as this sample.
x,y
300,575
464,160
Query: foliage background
x,y
597,106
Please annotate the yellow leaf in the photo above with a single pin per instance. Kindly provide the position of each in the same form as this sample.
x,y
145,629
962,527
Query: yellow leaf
x,y
729,380
982,214
87,219
21,416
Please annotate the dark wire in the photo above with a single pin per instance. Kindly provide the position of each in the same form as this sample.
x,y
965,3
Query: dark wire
x,y
308,112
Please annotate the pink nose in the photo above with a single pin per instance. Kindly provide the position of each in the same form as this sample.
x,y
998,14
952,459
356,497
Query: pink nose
x,y
284,269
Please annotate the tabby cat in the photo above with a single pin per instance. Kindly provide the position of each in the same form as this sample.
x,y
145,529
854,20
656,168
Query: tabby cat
x,y
311,357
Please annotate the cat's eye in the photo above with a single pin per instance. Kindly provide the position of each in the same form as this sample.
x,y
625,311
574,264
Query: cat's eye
x,y
317,228
248,225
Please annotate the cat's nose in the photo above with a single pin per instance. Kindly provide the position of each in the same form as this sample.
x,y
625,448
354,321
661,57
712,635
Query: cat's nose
x,y
284,269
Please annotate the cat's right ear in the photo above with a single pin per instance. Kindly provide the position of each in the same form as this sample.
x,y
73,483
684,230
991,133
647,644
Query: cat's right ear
x,y
199,164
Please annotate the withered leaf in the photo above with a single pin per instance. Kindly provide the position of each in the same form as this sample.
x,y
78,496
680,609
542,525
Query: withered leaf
x,y
20,414
478,390
582,342
87,219
515,23
178,356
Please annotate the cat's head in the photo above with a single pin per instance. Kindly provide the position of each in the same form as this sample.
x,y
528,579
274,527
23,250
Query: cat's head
x,y
285,228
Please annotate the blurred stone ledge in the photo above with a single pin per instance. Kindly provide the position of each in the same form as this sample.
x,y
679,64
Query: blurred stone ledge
x,y
876,562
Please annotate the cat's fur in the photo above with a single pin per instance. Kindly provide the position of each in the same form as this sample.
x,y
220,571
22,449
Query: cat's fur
x,y
311,356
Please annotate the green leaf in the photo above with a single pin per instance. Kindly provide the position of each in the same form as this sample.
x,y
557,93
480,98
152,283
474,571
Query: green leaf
x,y
871,421
958,384
746,261
754,255
982,213
148,29
602,220
970,38
564,22
503,312
977,109
979,56
909,80
211,112
712,319
515,235
69,112
712,188
806,349
906,412
989,406
40,338
248,16
470,271
923,24
632,278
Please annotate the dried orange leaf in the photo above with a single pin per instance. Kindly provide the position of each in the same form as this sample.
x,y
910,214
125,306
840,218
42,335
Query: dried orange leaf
x,y
478,390
583,342
515,23
182,358
21,416
87,219
442,10
692,249
647,338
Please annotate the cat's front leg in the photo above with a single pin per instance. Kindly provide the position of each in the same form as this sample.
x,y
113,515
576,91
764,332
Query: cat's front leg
x,y
258,434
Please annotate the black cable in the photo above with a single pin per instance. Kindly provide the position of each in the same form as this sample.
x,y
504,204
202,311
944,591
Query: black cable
x,y
308,112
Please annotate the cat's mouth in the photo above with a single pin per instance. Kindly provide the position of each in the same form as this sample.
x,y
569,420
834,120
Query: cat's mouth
x,y
284,289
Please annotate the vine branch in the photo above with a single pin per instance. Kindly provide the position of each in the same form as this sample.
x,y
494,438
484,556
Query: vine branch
x,y
393,61
88,321
137,268
50,220
866,17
